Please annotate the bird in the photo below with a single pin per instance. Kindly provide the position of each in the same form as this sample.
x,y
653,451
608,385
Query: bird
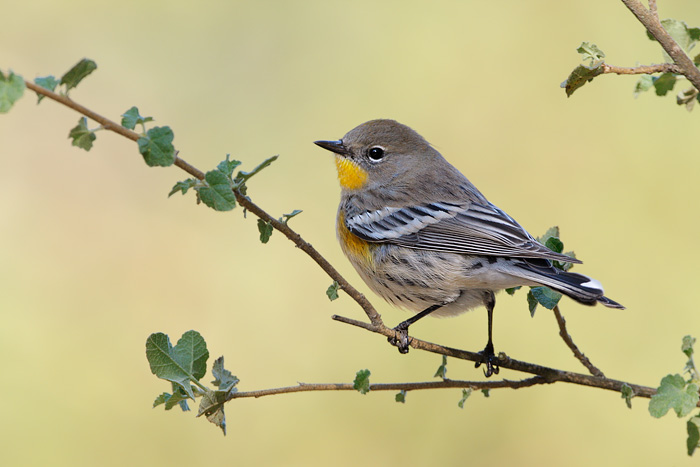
x,y
424,238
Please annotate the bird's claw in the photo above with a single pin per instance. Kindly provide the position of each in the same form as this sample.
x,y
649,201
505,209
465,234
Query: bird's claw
x,y
400,338
490,360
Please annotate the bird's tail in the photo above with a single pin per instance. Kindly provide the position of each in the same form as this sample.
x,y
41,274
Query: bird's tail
x,y
581,288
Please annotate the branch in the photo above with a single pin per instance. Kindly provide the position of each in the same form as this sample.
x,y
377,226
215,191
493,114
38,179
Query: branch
x,y
577,353
445,383
550,375
643,70
650,20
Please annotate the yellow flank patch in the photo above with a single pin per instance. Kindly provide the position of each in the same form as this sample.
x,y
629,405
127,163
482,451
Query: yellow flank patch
x,y
356,249
351,175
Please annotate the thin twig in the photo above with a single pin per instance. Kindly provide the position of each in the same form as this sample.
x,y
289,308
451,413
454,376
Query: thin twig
x,y
416,386
652,8
651,22
569,341
642,70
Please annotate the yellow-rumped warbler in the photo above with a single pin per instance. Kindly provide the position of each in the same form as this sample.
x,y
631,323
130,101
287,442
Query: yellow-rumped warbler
x,y
424,238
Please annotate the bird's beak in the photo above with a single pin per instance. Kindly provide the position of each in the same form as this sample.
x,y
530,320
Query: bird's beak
x,y
333,146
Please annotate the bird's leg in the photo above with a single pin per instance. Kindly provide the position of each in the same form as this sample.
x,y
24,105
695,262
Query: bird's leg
x,y
400,337
488,356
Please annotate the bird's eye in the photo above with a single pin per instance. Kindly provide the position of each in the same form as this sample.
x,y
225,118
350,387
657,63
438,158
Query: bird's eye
x,y
376,153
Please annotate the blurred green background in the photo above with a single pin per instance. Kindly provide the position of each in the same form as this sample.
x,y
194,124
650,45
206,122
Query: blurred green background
x,y
95,257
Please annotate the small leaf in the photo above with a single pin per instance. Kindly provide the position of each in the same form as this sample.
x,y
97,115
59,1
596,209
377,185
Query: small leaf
x,y
46,82
693,440
687,347
581,75
285,217
465,395
361,382
332,291
224,380
162,399
265,229
212,407
644,83
442,369
486,392
218,193
531,303
180,364
554,244
512,290
401,396
157,147
76,74
242,177
545,296
131,118
82,136
183,186
590,52
177,398
227,166
673,393
11,89
627,394
551,232
687,97
664,83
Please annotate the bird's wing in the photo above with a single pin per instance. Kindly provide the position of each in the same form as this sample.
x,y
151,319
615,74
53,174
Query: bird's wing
x,y
467,228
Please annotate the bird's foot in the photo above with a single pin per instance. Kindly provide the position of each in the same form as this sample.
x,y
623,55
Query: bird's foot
x,y
490,360
400,338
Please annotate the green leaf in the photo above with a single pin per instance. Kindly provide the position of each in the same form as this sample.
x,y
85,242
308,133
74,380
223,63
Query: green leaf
x,y
465,395
223,379
486,392
46,82
627,394
11,89
285,217
581,75
693,434
265,229
687,97
242,177
512,290
218,192
177,398
228,166
157,147
182,364
531,303
361,382
183,186
81,135
687,347
674,394
401,396
76,74
545,296
131,118
664,83
551,232
644,83
442,369
212,407
554,244
332,291
590,52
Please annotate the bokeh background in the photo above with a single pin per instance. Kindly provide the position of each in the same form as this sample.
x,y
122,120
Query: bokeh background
x,y
95,257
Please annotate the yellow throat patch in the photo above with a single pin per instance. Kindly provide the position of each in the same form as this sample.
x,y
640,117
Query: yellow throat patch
x,y
350,175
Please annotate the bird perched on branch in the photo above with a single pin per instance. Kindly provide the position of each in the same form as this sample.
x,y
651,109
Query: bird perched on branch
x,y
424,238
